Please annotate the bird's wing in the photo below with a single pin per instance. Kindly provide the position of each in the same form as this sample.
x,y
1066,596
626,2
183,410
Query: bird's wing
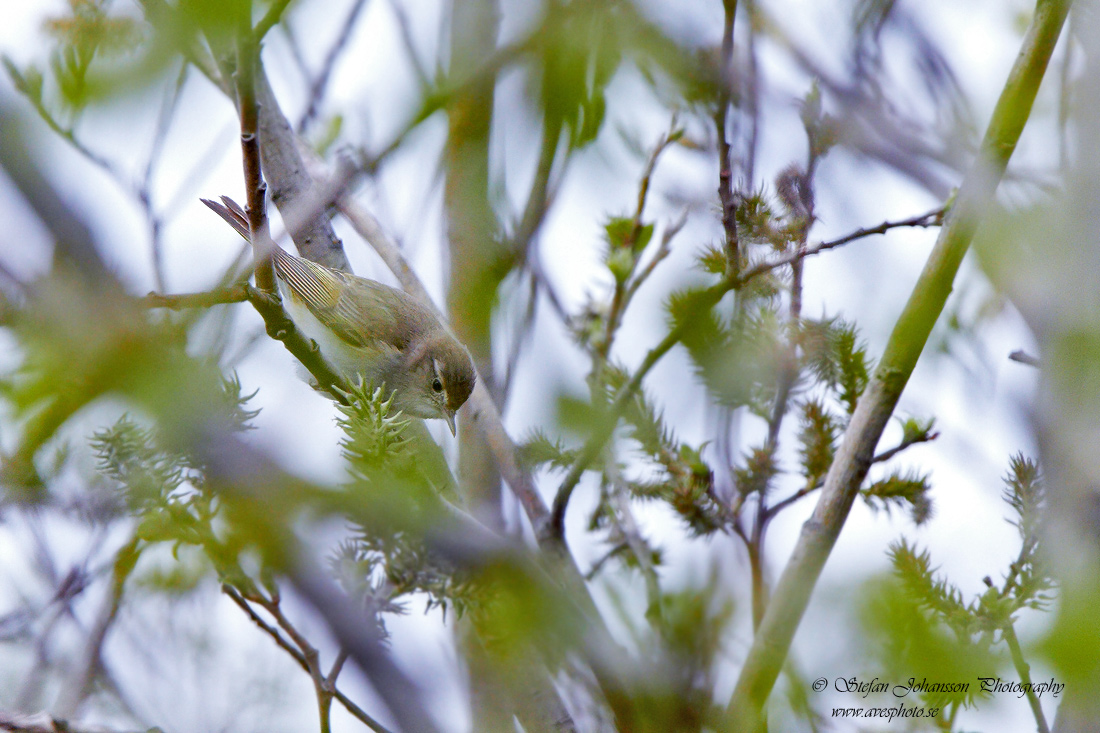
x,y
366,314
362,315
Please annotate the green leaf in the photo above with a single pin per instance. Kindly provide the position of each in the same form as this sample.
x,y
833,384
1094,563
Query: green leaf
x,y
817,440
641,241
911,489
539,449
755,477
621,263
834,353
713,260
619,231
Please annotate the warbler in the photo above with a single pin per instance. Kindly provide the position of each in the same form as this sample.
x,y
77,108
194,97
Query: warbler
x,y
362,327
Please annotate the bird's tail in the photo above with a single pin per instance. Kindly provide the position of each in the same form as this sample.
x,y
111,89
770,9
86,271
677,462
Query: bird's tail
x,y
233,214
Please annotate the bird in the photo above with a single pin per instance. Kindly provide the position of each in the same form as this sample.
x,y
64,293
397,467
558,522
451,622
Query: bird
x,y
363,328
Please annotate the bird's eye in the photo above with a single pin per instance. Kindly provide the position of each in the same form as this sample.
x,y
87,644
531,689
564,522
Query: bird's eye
x,y
437,385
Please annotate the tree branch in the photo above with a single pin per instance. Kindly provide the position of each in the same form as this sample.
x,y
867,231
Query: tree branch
x,y
273,15
79,683
298,657
886,455
792,593
929,219
320,83
179,301
725,172
255,187
605,425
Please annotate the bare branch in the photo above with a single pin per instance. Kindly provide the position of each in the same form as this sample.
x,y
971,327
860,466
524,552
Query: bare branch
x,y
255,187
886,455
320,83
627,287
929,219
79,683
273,15
725,172
290,183
298,657
179,301
663,251
45,723
604,426
404,26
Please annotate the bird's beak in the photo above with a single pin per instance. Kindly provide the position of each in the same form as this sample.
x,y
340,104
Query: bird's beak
x,y
449,416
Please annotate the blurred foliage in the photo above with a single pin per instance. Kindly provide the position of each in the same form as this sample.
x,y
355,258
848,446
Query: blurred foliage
x,y
177,468
389,464
919,624
166,489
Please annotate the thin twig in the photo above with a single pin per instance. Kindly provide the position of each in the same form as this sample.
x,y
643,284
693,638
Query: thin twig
x,y
663,251
523,328
623,518
624,291
404,27
337,667
929,219
725,173
265,626
604,426
538,198
290,649
144,191
752,88
886,455
178,301
273,15
311,656
618,549
363,644
534,265
1023,669
320,83
871,126
78,686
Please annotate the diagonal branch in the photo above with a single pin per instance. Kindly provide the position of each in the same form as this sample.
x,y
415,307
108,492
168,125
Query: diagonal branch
x,y
178,301
320,83
298,657
792,592
929,219
604,426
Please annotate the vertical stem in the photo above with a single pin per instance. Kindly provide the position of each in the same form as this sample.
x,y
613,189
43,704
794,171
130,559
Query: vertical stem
x,y
472,229
752,86
1024,670
255,188
725,173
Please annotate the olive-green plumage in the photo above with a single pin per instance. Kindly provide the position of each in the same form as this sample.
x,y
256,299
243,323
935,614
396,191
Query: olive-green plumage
x,y
365,328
